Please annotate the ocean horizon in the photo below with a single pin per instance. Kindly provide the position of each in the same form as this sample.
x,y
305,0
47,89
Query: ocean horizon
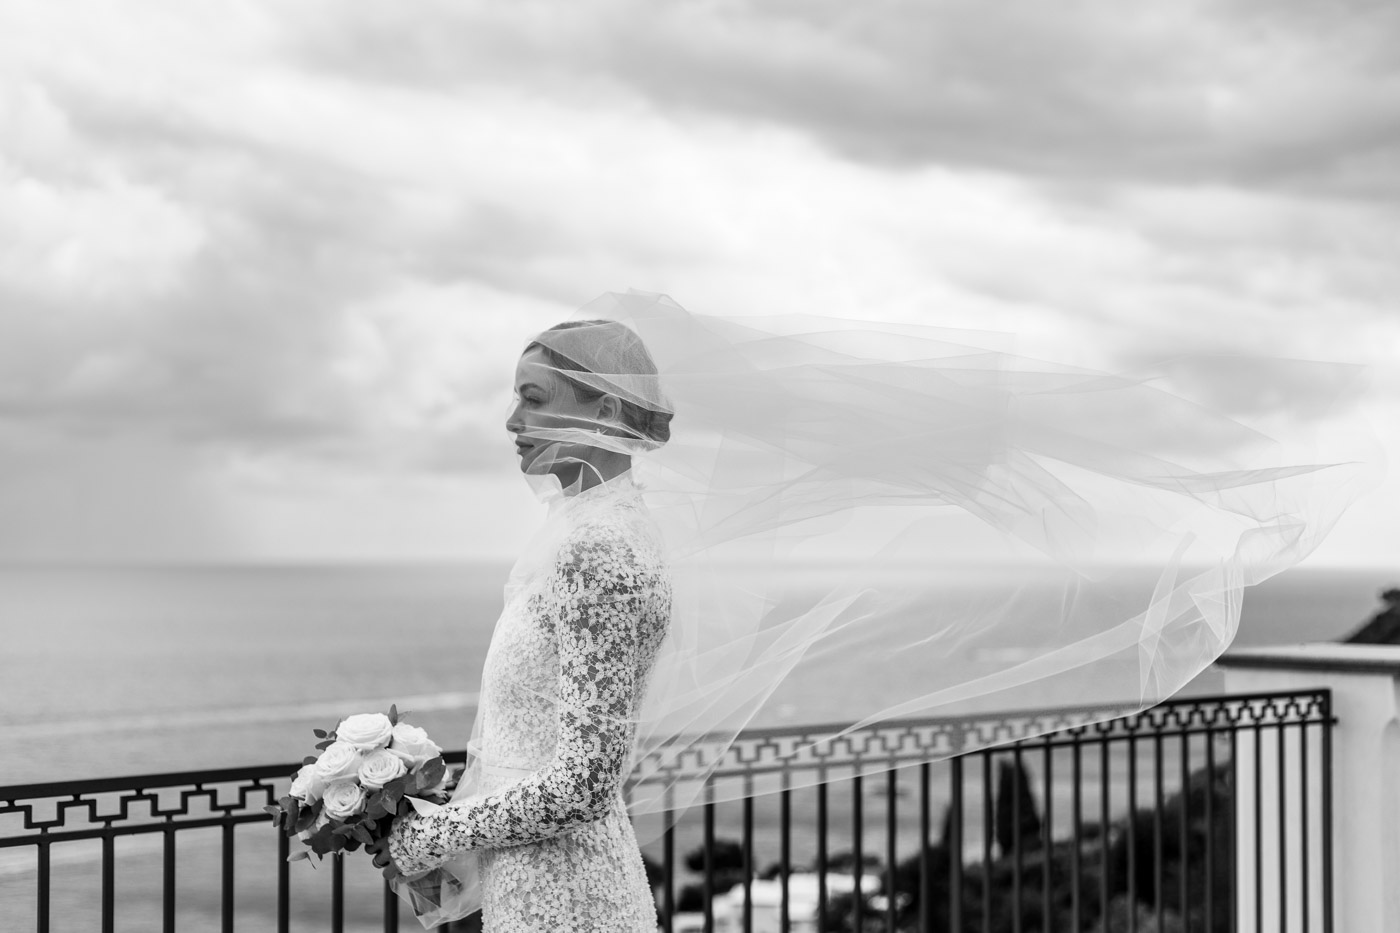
x,y
111,670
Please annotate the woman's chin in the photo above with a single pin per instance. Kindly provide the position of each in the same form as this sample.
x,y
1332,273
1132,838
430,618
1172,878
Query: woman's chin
x,y
533,466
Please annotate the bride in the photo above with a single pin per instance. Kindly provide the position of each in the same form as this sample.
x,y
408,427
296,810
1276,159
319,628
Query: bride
x,y
567,668
648,623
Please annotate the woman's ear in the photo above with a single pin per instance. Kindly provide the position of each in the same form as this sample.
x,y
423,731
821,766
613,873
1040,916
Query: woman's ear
x,y
610,409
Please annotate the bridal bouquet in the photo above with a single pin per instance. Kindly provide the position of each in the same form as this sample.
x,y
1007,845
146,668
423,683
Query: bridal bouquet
x,y
371,768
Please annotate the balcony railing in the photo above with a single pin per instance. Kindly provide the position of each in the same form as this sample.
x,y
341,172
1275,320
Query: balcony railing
x,y
1071,822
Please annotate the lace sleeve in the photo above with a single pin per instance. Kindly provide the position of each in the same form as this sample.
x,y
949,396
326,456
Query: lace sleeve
x,y
595,604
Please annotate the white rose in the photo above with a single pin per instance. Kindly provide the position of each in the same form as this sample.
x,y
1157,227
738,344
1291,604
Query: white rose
x,y
379,768
340,760
307,786
413,745
342,800
365,731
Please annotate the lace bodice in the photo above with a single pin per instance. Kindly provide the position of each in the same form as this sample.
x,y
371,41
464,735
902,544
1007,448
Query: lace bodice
x,y
562,684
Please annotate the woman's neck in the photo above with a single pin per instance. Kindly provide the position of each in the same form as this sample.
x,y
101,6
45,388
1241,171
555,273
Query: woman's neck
x,y
606,467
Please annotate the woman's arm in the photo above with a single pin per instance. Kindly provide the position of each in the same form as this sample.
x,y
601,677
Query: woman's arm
x,y
596,599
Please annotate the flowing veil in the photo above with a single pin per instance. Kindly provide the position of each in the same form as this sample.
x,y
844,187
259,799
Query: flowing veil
x,y
873,521
989,531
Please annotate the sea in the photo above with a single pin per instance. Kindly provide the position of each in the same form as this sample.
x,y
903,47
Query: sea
x,y
110,671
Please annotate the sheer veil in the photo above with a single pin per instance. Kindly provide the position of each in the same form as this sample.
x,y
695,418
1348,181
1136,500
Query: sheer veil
x,y
874,521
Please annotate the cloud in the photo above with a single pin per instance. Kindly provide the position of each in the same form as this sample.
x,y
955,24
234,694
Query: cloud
x,y
62,498
1299,95
301,249
192,284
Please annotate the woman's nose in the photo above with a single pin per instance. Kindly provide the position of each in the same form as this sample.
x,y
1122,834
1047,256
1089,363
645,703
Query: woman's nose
x,y
513,423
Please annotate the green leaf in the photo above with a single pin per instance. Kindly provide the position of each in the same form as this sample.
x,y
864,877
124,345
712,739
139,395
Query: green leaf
x,y
378,805
309,760
306,819
298,855
363,834
324,841
394,714
325,744
431,773
319,733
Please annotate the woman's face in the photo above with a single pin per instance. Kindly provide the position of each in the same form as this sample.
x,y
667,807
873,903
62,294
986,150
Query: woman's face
x,y
543,399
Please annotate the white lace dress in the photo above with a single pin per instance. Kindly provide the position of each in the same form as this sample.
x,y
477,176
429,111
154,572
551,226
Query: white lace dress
x,y
563,680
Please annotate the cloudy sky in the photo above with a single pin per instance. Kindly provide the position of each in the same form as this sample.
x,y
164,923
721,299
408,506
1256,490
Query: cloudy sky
x,y
264,267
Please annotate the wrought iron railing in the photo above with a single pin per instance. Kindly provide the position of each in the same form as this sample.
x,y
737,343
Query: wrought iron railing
x,y
1131,823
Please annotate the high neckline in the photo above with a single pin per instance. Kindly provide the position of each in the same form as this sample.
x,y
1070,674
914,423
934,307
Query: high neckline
x,y
548,490
622,482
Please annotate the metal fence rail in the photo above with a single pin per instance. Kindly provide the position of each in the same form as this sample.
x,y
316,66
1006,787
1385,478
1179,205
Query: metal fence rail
x,y
1072,822
1124,824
